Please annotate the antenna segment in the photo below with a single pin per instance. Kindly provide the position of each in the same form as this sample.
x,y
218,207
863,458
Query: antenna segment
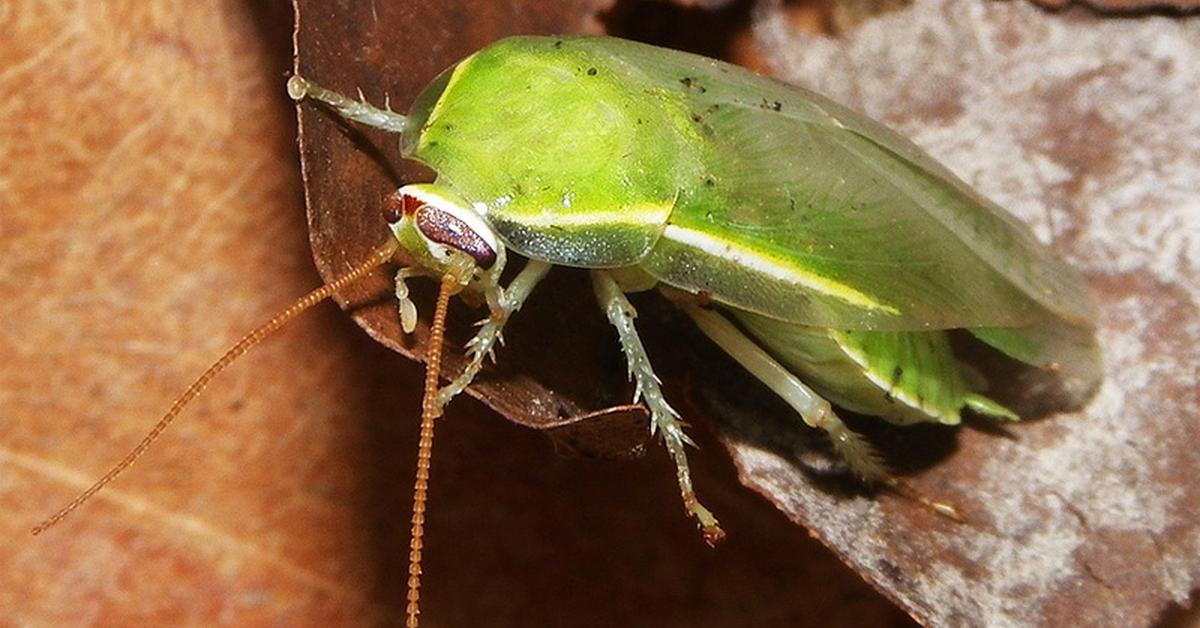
x,y
430,410
378,257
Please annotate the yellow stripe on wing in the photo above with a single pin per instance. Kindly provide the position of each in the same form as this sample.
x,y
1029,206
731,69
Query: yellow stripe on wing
x,y
565,216
773,267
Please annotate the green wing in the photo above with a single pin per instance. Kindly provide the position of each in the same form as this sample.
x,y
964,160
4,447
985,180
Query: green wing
x,y
810,213
795,178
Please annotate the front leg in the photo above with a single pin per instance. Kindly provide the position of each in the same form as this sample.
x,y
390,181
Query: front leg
x,y
663,418
502,303
359,111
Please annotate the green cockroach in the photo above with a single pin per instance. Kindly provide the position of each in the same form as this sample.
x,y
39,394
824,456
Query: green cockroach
x,y
826,254
822,251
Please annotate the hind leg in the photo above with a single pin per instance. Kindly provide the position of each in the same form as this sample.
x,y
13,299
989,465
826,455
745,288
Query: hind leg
x,y
859,455
815,410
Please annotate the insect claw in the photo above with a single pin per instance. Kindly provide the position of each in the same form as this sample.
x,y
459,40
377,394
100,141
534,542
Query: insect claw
x,y
713,534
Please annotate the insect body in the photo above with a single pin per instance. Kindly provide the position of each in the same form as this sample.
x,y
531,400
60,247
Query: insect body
x,y
831,254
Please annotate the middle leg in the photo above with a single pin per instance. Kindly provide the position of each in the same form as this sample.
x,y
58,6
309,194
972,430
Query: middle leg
x,y
663,418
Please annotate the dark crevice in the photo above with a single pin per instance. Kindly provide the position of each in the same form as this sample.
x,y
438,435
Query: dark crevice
x,y
708,28
1181,615
1165,8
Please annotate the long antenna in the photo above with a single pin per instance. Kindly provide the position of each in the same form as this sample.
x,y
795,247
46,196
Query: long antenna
x,y
378,257
429,413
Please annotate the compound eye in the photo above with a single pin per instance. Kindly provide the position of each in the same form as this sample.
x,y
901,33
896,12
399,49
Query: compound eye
x,y
446,229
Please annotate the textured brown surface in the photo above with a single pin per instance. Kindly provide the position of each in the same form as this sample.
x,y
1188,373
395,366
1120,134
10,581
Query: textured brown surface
x,y
151,212
1089,130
